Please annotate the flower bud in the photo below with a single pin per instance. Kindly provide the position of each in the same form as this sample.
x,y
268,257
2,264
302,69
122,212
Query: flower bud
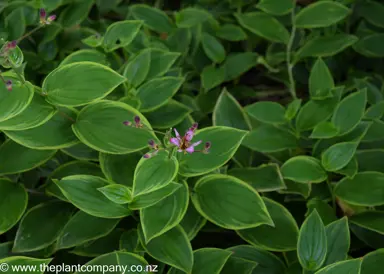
x,y
151,143
43,14
194,126
127,123
12,45
207,145
50,19
147,155
137,119
8,84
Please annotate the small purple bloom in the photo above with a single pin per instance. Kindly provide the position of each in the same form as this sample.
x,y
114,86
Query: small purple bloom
x,y
147,155
184,143
8,84
127,123
137,119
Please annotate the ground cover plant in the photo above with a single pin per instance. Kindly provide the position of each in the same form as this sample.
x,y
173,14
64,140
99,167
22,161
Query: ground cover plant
x,y
194,136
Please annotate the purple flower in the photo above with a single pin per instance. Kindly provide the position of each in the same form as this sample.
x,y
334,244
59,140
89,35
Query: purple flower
x,y
184,143
12,45
43,14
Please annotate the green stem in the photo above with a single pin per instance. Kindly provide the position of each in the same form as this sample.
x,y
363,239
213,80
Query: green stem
x,y
29,33
290,64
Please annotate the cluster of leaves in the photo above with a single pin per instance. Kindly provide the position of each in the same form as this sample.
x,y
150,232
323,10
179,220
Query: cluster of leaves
x,y
289,95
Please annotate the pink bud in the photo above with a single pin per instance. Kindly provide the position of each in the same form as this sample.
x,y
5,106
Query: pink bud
x,y
12,45
127,123
147,155
51,18
151,143
137,119
8,84
43,14
207,145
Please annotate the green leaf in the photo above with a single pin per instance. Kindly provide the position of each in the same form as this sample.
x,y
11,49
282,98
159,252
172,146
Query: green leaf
x,y
372,12
31,235
372,262
213,48
338,156
164,215
37,113
209,260
212,76
156,92
372,220
192,221
82,152
89,55
326,46
129,240
119,194
120,34
161,62
370,45
266,261
304,169
82,228
292,109
154,173
82,192
122,261
358,190
225,141
56,133
264,25
153,18
137,69
267,112
99,247
67,169
235,264
297,188
315,112
350,111
119,168
375,111
312,243
267,138
151,198
168,115
326,212
324,130
264,178
100,126
14,203
190,17
172,248
276,7
31,158
81,83
231,32
75,13
237,64
281,237
221,199
348,266
16,101
312,16
27,262
228,112
338,241
320,77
